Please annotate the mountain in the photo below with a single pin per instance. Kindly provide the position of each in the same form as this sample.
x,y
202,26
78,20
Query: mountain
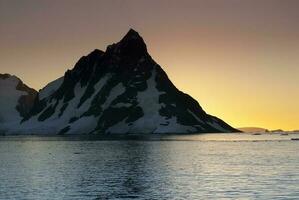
x,y
121,90
16,99
253,129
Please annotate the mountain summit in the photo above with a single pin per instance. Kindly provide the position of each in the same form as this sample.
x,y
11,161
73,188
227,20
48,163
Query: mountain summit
x,y
119,91
132,45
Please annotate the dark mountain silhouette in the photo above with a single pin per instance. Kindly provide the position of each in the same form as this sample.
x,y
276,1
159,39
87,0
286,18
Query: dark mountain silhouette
x,y
120,90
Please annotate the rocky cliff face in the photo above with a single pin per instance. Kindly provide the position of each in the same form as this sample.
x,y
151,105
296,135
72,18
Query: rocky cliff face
x,y
119,91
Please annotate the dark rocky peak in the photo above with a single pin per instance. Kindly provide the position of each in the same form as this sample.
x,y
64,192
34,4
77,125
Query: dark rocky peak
x,y
95,54
23,87
4,76
132,35
85,67
88,61
131,45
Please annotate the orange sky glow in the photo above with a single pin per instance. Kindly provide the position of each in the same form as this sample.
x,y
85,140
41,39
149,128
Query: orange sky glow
x,y
239,59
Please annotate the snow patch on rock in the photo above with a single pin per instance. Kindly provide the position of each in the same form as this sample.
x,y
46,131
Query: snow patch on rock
x,y
49,89
114,93
148,100
9,97
56,123
83,125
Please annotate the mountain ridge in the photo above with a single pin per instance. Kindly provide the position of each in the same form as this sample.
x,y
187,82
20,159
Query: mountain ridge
x,y
121,90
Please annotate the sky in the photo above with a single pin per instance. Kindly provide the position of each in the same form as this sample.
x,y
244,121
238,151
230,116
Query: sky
x,y
238,58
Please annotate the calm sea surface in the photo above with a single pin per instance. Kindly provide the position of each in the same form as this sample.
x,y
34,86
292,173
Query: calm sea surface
x,y
210,166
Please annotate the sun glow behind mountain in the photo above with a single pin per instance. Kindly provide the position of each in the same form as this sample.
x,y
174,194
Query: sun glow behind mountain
x,y
238,59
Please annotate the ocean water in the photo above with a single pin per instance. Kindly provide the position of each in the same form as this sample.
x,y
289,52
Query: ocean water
x,y
209,166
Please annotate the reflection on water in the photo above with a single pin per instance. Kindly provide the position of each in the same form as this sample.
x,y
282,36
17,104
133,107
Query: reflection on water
x,y
181,167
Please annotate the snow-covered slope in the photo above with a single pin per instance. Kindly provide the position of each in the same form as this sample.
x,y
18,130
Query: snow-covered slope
x,y
122,90
50,88
16,100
